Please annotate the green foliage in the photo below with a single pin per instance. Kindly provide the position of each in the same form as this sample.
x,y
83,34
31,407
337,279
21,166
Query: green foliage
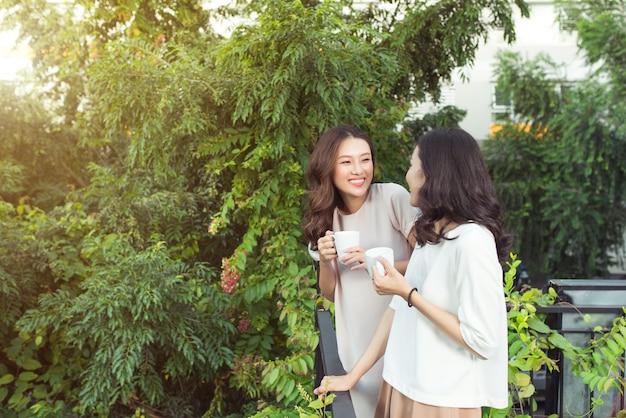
x,y
530,339
66,37
393,149
446,116
533,344
533,85
317,405
428,41
563,180
561,177
600,29
37,254
10,177
119,326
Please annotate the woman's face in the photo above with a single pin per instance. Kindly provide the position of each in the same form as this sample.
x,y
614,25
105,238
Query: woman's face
x,y
354,170
415,177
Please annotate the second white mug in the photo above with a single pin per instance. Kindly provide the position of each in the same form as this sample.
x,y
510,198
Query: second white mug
x,y
370,258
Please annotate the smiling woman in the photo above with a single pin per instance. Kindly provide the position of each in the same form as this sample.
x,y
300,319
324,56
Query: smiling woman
x,y
343,197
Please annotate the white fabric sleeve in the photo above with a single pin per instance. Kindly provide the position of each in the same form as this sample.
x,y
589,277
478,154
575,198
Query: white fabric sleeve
x,y
481,291
397,302
403,214
315,255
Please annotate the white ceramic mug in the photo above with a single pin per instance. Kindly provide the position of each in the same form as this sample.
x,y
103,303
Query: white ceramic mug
x,y
344,240
370,258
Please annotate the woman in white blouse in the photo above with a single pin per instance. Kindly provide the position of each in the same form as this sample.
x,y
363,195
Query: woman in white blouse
x,y
444,335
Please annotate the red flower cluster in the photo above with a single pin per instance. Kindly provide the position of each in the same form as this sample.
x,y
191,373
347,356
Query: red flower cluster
x,y
230,275
244,325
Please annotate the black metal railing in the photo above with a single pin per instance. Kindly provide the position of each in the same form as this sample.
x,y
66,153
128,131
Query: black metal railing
x,y
566,395
327,362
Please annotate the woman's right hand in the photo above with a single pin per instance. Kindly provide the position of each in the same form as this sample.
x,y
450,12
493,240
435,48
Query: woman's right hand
x,y
392,282
326,247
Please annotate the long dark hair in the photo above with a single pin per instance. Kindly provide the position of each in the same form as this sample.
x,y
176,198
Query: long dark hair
x,y
323,196
457,186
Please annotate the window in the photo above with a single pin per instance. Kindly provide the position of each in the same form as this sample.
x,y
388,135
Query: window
x,y
501,106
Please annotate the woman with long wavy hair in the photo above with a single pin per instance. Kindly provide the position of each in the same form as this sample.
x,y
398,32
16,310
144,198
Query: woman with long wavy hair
x,y
342,197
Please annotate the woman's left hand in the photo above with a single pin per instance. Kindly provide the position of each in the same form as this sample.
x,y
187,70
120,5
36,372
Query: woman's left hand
x,y
333,384
392,282
355,258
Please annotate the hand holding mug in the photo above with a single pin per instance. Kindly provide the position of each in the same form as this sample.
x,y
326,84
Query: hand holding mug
x,y
391,283
371,256
326,247
348,250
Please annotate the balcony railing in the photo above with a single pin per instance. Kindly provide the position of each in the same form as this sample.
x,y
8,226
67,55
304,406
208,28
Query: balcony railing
x,y
327,362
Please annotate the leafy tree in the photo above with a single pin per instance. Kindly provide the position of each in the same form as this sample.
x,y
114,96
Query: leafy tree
x,y
113,326
562,178
66,36
189,131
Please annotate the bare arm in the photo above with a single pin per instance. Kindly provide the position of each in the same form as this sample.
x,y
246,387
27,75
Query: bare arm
x,y
327,280
374,351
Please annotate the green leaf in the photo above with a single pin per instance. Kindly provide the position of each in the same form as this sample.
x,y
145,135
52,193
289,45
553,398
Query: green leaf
x,y
593,382
530,308
527,391
6,379
522,379
316,404
608,384
31,364
303,365
610,355
614,347
27,376
587,377
290,386
559,341
273,376
292,269
18,400
40,391
3,394
597,357
620,340
537,325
